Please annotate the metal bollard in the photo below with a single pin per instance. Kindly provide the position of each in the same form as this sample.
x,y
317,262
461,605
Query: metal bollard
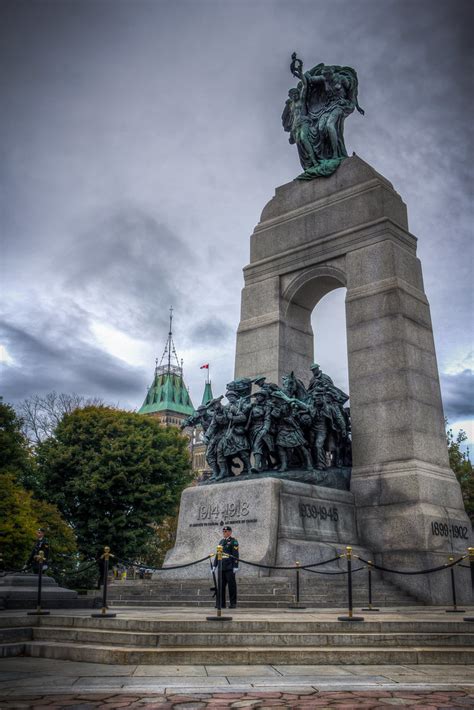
x,y
104,613
455,609
297,604
471,564
219,616
370,607
39,612
350,616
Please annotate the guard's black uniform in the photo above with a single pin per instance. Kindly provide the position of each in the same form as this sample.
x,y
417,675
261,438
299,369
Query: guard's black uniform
x,y
42,545
230,546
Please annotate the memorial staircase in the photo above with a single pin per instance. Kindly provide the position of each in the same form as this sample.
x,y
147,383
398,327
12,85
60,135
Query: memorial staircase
x,y
249,638
318,591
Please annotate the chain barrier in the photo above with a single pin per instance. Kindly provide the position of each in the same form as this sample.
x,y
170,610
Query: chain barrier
x,y
162,569
422,571
320,571
78,571
305,567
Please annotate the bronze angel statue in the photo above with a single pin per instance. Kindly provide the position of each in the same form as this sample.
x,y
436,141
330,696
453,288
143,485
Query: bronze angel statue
x,y
314,115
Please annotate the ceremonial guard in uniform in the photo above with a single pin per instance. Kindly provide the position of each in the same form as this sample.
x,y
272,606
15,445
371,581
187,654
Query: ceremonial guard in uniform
x,y
230,565
42,545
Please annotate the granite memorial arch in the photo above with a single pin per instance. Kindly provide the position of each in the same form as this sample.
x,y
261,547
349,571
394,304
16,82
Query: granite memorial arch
x,y
352,230
338,224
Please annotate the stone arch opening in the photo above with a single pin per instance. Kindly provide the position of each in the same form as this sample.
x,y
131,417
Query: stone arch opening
x,y
301,293
328,321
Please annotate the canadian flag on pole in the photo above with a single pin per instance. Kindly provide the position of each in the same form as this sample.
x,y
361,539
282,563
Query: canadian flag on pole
x,y
204,367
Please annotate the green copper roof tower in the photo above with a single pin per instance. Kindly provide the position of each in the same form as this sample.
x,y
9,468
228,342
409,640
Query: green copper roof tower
x,y
207,395
168,397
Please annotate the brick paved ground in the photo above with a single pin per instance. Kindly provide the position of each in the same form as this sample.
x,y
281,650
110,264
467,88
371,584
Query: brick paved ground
x,y
345,700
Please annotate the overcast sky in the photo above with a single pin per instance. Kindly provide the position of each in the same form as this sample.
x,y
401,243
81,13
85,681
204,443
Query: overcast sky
x,y
139,143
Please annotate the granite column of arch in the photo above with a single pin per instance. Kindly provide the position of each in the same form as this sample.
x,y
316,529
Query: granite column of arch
x,y
351,229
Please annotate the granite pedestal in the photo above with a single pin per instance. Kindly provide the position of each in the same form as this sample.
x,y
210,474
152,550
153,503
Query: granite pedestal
x,y
277,522
20,591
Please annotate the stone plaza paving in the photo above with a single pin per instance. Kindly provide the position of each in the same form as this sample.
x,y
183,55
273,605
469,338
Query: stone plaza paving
x,y
35,683
30,682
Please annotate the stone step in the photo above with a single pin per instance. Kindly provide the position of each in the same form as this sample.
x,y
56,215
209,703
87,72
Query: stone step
x,y
100,636
339,597
259,592
191,594
8,650
219,655
242,625
275,604
343,637
15,634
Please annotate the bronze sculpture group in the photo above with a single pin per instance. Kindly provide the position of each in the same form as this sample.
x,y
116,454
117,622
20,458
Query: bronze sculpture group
x,y
314,115
277,427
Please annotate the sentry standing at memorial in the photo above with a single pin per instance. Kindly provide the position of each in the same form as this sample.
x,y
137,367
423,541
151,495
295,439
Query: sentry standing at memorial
x,y
41,545
230,566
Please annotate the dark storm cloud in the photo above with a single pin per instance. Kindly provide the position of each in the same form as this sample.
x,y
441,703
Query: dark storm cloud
x,y
44,361
210,331
458,395
139,142
130,268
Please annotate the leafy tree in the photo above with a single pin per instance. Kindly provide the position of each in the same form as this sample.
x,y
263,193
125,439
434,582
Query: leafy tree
x,y
462,467
20,514
17,524
41,415
14,454
112,474
154,552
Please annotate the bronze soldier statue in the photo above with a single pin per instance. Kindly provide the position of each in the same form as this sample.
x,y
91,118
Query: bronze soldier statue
x,y
234,442
262,440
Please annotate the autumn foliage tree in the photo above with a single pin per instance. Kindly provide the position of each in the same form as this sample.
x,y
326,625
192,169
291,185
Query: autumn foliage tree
x,y
20,513
113,475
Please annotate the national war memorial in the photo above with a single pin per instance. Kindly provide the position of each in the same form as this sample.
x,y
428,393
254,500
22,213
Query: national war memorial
x,y
297,472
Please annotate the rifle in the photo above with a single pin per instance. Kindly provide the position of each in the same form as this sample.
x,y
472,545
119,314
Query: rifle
x,y
279,394
214,401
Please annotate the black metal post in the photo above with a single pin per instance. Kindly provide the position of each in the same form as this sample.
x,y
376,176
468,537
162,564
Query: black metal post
x,y
297,604
219,616
350,616
40,560
455,609
471,563
370,607
105,614
219,585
